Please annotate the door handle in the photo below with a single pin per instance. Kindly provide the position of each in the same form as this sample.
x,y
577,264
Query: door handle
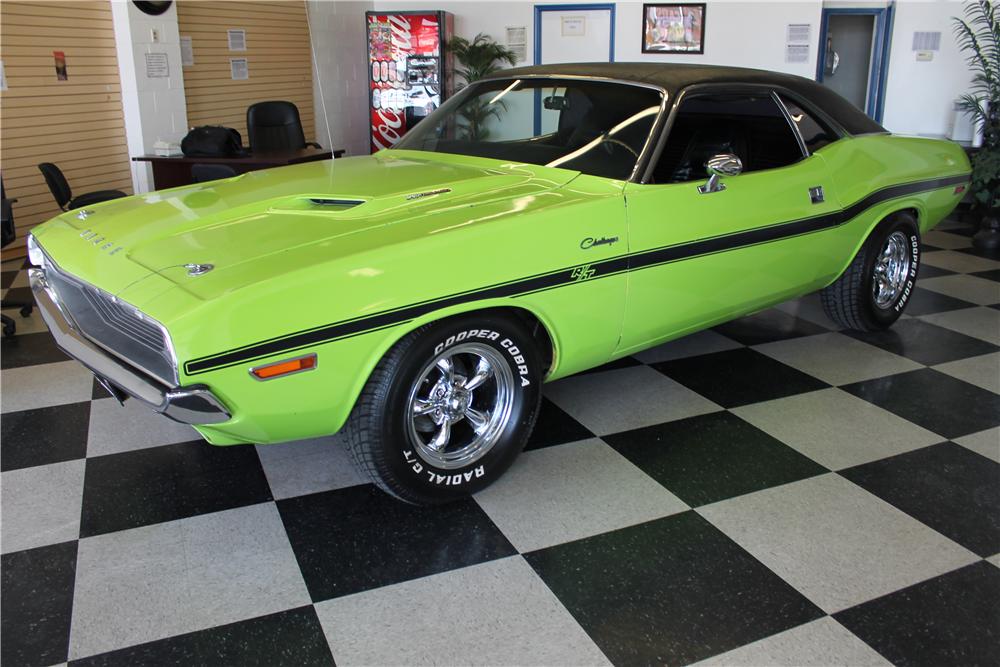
x,y
816,194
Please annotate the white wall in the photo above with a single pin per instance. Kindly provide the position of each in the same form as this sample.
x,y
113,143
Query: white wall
x,y
920,95
340,79
154,108
748,33
745,33
740,34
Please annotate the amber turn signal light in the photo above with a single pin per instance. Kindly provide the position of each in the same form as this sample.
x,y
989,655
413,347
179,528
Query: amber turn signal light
x,y
287,367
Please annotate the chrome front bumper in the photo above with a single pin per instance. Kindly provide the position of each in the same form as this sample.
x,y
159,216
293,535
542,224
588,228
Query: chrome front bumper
x,y
189,405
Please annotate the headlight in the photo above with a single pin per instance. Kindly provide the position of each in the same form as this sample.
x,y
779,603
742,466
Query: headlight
x,y
35,255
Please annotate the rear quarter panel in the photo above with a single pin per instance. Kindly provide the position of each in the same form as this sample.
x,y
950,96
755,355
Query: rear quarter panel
x,y
862,165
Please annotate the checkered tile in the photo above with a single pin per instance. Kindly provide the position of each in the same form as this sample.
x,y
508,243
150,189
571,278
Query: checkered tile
x,y
773,491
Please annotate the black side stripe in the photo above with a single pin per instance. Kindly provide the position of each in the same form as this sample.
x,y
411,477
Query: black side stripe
x,y
560,278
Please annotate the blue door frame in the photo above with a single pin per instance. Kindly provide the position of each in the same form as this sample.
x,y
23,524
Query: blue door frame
x,y
538,41
879,68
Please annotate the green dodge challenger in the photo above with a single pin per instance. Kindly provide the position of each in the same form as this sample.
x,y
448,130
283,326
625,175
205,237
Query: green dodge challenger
x,y
541,222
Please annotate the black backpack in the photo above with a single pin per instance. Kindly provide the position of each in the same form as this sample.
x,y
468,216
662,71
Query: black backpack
x,y
212,141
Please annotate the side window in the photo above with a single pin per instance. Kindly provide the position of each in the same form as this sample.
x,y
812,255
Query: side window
x,y
750,126
814,134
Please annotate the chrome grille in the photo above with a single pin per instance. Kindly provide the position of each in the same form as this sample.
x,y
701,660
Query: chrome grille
x,y
113,324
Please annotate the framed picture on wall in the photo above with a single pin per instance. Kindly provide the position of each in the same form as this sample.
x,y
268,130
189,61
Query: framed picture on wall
x,y
673,28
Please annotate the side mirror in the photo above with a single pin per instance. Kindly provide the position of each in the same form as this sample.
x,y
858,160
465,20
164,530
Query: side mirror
x,y
723,164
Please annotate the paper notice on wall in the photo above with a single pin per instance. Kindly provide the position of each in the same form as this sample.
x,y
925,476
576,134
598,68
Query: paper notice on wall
x,y
239,68
3,78
187,52
797,53
517,41
157,66
799,33
574,26
237,39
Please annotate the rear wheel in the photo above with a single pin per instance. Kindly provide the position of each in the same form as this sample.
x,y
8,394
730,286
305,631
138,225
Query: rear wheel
x,y
448,409
874,290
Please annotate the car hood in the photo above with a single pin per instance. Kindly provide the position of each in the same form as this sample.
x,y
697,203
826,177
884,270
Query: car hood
x,y
269,222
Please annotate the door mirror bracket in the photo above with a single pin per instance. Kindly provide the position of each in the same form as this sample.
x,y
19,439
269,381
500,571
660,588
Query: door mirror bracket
x,y
723,164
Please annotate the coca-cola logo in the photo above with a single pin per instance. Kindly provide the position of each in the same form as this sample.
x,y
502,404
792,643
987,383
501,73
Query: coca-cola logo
x,y
386,124
402,36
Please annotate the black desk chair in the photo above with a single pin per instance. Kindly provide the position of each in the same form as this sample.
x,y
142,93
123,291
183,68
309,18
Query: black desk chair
x,y
64,195
274,127
8,233
202,173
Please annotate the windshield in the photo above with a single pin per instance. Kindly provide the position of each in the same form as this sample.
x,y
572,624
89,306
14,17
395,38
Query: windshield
x,y
595,127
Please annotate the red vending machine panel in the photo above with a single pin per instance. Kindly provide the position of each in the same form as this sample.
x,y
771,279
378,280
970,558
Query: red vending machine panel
x,y
409,73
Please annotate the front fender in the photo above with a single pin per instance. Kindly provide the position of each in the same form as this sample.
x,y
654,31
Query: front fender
x,y
318,403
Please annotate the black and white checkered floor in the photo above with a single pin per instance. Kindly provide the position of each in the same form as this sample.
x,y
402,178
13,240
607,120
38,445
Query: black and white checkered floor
x,y
773,491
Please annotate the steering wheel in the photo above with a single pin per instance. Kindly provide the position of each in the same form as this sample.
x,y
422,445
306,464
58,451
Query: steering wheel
x,y
618,142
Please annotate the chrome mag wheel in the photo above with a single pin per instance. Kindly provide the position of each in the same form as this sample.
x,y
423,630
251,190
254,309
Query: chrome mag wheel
x,y
891,268
460,404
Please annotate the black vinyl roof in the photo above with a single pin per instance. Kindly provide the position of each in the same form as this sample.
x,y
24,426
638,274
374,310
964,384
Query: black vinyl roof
x,y
675,77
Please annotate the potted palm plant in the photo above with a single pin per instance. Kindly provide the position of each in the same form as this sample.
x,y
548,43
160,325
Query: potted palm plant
x,y
978,35
479,57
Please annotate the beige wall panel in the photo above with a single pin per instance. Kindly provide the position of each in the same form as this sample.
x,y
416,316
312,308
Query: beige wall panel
x,y
77,124
278,57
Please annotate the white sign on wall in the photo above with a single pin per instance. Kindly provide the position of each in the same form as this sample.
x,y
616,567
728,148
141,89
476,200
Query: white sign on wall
x,y
239,69
797,53
797,42
157,66
237,39
517,41
187,52
574,26
799,33
3,77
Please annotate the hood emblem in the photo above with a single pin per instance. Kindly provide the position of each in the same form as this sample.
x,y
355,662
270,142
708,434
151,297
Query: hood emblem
x,y
198,269
84,214
429,193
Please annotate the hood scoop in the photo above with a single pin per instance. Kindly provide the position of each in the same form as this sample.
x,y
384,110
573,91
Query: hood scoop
x,y
338,203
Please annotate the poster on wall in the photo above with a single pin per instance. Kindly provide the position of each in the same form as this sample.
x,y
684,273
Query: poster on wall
x,y
408,71
673,28
60,59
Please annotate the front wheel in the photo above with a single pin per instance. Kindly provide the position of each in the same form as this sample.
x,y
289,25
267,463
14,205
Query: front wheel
x,y
448,409
873,291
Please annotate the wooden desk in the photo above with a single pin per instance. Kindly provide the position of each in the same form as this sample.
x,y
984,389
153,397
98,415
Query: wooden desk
x,y
169,172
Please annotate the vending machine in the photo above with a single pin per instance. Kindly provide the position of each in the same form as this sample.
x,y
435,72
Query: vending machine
x,y
409,72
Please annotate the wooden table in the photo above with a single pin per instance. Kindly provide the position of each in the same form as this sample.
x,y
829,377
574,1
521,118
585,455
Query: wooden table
x,y
169,172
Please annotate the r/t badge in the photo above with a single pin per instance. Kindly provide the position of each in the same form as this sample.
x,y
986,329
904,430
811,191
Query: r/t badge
x,y
582,273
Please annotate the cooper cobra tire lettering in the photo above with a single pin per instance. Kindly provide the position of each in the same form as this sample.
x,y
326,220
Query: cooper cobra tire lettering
x,y
404,447
911,278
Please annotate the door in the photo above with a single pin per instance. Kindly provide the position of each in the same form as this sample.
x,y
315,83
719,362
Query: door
x,y
700,257
574,33
854,55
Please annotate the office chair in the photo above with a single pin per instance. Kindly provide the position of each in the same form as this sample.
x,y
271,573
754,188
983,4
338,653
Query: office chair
x,y
64,195
8,234
275,126
201,173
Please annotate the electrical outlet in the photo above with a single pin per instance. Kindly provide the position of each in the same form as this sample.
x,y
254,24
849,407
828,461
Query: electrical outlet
x,y
154,35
